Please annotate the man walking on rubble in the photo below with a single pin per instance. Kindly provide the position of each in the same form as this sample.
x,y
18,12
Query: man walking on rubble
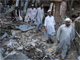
x,y
49,27
40,15
64,37
33,12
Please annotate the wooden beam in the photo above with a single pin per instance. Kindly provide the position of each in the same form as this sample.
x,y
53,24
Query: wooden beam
x,y
72,2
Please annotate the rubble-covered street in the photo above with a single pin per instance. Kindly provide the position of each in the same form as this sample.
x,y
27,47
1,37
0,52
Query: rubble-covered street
x,y
30,45
19,40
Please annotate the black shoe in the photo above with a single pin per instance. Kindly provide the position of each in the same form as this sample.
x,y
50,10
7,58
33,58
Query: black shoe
x,y
47,41
39,30
56,53
51,42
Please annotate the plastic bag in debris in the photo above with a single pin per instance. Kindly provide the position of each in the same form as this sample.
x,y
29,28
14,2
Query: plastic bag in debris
x,y
25,27
33,42
47,52
79,58
1,57
20,48
12,43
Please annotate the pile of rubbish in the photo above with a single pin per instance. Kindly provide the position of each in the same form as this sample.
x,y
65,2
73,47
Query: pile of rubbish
x,y
25,43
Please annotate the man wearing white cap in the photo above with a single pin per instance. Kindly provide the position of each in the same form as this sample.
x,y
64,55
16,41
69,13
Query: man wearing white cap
x,y
33,12
40,16
49,27
64,37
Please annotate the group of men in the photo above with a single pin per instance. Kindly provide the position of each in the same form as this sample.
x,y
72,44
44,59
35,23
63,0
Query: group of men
x,y
65,33
37,15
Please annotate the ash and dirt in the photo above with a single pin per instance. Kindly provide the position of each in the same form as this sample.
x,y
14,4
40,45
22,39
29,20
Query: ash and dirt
x,y
30,45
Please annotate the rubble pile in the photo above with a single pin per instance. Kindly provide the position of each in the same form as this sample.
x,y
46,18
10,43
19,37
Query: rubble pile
x,y
26,43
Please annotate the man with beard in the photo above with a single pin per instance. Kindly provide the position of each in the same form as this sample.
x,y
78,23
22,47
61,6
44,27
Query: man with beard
x,y
64,37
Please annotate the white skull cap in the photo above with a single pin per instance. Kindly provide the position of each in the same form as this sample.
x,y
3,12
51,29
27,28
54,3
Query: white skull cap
x,y
67,19
32,4
49,10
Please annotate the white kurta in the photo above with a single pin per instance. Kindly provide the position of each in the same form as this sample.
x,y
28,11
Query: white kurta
x,y
40,15
33,13
50,24
64,34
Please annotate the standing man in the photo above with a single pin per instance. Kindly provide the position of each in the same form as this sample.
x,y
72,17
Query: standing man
x,y
33,12
49,27
40,15
64,37
73,42
73,17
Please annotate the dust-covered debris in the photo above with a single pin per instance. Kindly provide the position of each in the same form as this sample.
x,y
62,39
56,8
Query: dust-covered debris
x,y
25,43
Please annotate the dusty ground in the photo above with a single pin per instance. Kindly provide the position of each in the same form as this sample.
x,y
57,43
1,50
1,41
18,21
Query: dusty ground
x,y
72,54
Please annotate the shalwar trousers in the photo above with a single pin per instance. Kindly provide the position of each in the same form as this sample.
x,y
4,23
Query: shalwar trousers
x,y
64,49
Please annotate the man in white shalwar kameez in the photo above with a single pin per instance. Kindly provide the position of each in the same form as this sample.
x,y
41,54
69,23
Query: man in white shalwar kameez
x,y
49,27
40,15
64,37
33,12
